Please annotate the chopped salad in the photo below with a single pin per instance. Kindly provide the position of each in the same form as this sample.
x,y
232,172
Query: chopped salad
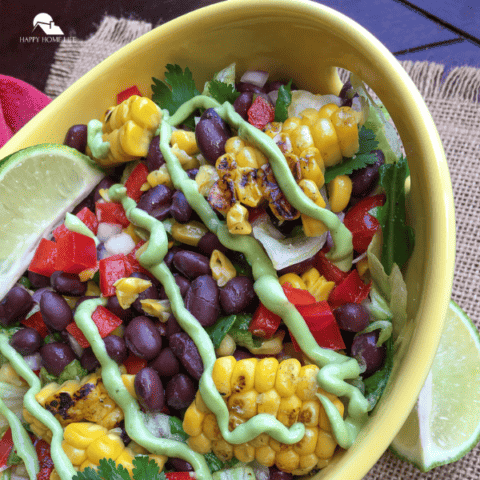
x,y
226,301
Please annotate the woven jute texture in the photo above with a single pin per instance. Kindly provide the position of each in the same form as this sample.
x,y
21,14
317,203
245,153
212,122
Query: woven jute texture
x,y
453,103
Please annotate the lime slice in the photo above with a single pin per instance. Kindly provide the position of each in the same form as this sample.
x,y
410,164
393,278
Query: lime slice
x,y
445,422
38,185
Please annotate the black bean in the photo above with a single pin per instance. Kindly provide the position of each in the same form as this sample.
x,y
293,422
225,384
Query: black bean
x,y
104,184
26,341
240,354
88,360
76,137
181,210
143,338
37,280
191,173
352,317
365,179
186,351
183,285
276,474
210,242
125,314
145,276
180,465
168,259
56,356
191,264
88,202
365,350
242,103
276,84
211,135
347,94
68,284
16,304
298,268
150,293
211,114
161,212
154,198
237,295
39,293
202,300
154,158
55,311
149,390
248,87
172,326
180,391
116,348
166,364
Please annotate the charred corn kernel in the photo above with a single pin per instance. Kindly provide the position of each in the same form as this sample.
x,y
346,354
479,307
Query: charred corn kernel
x,y
362,266
293,279
237,220
260,441
243,404
339,192
207,175
311,226
160,177
326,111
310,169
192,420
308,443
234,421
226,164
223,450
200,404
287,460
200,444
185,140
269,402
288,410
317,284
323,421
222,268
127,290
273,128
265,374
326,445
301,139
310,413
243,375
244,452
227,347
92,289
307,382
157,308
326,141
222,375
234,145
247,186
265,456
309,116
9,375
272,346
345,125
287,377
247,157
130,230
46,392
210,427
290,124
284,142
315,153
189,233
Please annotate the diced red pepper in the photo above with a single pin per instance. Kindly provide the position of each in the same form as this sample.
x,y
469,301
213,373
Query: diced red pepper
x,y
264,323
6,447
36,322
260,113
134,364
45,257
111,212
105,321
330,271
352,290
133,265
136,179
112,269
76,252
127,93
363,225
179,476
86,216
44,459
297,296
322,324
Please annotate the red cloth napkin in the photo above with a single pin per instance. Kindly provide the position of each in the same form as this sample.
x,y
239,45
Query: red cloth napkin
x,y
19,102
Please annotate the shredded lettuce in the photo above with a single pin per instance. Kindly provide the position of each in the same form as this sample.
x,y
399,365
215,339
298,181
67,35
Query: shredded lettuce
x,y
73,371
385,327
12,396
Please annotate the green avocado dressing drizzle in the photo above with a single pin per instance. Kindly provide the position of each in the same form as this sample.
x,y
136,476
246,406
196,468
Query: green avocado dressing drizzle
x,y
134,424
62,463
97,146
22,442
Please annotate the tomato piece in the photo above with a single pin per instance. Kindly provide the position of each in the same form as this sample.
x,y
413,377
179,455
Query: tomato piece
x,y
44,459
260,113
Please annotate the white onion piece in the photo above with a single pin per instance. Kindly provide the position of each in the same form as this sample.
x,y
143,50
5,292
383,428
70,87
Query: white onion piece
x,y
107,230
273,96
360,257
34,361
121,243
255,77
75,346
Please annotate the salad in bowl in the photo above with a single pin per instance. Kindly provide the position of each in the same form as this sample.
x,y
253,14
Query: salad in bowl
x,y
224,301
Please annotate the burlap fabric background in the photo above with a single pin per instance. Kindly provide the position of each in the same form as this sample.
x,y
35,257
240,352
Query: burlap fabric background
x,y
453,103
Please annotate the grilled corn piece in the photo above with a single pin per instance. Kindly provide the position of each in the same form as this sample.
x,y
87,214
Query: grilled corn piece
x,y
288,391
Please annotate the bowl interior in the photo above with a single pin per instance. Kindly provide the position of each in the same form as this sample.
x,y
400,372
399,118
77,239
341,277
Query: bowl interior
x,y
304,41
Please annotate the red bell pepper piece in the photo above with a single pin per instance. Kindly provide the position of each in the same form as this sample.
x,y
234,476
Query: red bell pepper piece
x,y
254,213
76,252
260,113
105,321
111,212
86,216
180,475
264,323
36,322
6,447
127,93
330,271
112,269
297,296
44,459
363,225
45,257
135,180
134,364
322,324
352,290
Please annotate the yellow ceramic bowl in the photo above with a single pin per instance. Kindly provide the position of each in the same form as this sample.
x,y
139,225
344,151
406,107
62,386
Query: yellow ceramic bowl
x,y
305,41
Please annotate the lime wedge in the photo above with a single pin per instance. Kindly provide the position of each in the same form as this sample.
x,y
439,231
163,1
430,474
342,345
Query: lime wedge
x,y
38,185
445,423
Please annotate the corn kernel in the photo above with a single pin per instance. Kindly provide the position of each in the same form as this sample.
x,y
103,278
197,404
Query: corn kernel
x,y
185,140
200,443
210,427
76,455
273,128
288,410
326,445
243,404
192,421
308,443
269,402
287,377
160,177
107,446
362,266
206,177
327,110
265,456
309,116
227,347
244,452
243,375
339,192
307,384
290,124
310,413
301,139
326,141
265,374
345,125
287,460
222,373
293,279
234,145
247,157
222,449
189,233
237,220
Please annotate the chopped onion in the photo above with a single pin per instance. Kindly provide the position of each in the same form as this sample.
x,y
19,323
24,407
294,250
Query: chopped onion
x,y
255,77
121,243
75,346
273,96
107,230
34,361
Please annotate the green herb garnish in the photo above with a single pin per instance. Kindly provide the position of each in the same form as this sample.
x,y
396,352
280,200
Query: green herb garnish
x,y
284,100
222,92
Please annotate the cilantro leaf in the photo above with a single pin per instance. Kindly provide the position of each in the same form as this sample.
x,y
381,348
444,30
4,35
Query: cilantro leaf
x,y
218,331
109,470
176,427
87,474
215,464
398,238
222,92
146,469
182,88
364,156
284,100
241,334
